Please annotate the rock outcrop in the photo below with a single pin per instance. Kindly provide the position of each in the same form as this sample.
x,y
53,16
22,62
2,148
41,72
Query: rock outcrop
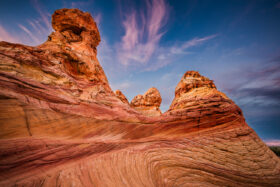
x,y
72,49
149,103
192,87
121,96
61,124
62,74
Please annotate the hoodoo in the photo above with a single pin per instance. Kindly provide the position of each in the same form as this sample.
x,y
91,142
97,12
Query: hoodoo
x,y
149,103
62,125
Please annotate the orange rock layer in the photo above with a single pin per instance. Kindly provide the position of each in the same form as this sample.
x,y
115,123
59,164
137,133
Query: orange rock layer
x,y
61,124
121,96
148,104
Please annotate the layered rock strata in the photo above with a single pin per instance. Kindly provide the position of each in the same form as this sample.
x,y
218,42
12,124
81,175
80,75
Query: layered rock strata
x,y
62,74
149,103
194,87
61,124
121,96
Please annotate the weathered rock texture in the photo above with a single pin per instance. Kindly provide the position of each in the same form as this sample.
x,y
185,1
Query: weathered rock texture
x,y
63,74
61,125
194,89
149,103
121,96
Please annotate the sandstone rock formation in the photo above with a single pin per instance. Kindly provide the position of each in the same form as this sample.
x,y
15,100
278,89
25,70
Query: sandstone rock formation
x,y
61,124
194,88
149,103
121,96
62,74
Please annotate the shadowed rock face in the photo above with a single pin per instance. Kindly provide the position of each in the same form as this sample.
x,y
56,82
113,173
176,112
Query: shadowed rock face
x,y
149,103
61,124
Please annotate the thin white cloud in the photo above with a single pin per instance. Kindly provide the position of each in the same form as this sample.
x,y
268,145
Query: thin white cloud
x,y
191,43
45,16
36,26
97,18
30,34
142,33
140,43
37,29
167,55
273,142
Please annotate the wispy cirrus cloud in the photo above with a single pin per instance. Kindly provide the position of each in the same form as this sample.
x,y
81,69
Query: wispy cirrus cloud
x,y
140,44
257,88
29,33
142,32
190,43
6,36
97,19
32,32
263,81
38,28
166,55
45,16
272,142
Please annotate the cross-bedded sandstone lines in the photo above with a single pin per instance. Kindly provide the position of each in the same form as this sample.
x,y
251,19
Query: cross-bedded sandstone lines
x,y
62,125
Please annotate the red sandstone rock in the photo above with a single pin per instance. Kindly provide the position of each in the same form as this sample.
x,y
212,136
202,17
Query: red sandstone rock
x,y
61,125
62,74
121,96
149,103
193,89
192,80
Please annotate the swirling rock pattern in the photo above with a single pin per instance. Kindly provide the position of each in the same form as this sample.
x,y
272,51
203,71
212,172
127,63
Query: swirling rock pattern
x,y
149,103
61,124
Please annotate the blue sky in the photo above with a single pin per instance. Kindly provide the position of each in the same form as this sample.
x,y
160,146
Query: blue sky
x,y
150,43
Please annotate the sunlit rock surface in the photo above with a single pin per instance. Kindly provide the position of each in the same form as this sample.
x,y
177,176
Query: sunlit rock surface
x,y
148,104
61,124
121,96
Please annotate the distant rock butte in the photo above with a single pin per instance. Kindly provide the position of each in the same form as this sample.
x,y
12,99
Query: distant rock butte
x,y
149,103
121,96
62,125
194,88
192,80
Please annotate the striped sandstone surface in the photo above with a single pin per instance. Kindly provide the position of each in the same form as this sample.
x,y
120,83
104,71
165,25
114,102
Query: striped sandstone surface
x,y
62,125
